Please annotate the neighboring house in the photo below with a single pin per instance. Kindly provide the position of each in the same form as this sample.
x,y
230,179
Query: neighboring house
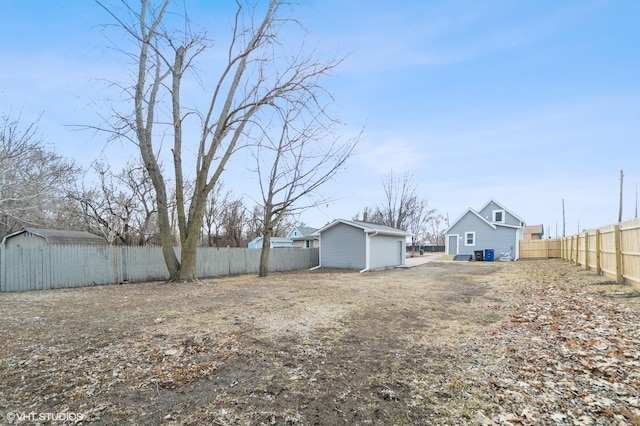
x,y
493,227
303,237
36,237
353,244
534,232
276,242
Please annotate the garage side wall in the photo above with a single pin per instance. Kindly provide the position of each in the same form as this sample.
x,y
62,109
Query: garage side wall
x,y
343,246
387,251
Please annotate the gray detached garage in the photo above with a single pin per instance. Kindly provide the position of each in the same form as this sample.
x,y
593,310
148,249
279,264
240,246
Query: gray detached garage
x,y
353,244
37,237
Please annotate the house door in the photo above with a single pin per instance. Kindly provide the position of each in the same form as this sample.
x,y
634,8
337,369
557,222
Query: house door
x,y
400,253
452,244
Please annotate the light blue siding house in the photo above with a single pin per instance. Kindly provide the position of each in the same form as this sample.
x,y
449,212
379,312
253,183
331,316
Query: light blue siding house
x,y
276,242
352,244
493,227
304,237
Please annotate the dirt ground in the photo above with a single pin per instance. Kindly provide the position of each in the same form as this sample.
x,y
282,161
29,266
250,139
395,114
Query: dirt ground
x,y
537,342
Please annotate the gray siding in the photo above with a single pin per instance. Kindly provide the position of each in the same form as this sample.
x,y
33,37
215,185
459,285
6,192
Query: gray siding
x,y
487,213
343,246
502,239
386,251
26,240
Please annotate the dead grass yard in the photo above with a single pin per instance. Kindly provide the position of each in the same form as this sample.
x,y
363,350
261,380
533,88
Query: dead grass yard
x,y
444,343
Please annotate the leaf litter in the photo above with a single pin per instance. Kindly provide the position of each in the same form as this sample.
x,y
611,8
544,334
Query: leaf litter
x,y
487,343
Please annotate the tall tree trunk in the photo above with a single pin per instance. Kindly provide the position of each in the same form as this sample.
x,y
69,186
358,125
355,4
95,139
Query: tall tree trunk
x,y
188,271
263,270
264,255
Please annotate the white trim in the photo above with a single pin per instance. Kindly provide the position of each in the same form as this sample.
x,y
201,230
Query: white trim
x,y
367,250
466,244
319,256
502,212
503,207
446,243
376,229
475,213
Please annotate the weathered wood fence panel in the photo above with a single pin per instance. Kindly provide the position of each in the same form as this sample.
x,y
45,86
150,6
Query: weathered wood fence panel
x,y
612,250
41,268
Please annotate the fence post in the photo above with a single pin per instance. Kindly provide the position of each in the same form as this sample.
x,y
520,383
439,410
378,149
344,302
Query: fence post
x,y
619,278
586,251
573,260
598,254
570,242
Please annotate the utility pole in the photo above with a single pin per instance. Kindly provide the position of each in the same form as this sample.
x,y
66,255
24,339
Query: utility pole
x,y
636,200
620,211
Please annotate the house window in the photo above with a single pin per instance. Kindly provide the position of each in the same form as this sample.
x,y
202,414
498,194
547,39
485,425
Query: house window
x,y
469,238
498,216
308,243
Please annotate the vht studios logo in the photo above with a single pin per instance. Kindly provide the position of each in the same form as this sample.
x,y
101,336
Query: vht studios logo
x,y
14,416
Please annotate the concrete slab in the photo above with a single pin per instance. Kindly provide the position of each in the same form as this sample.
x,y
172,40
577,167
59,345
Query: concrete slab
x,y
411,262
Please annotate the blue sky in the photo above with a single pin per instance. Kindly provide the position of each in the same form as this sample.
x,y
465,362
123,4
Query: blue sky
x,y
525,102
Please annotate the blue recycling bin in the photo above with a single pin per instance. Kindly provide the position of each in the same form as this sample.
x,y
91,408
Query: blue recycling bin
x,y
489,255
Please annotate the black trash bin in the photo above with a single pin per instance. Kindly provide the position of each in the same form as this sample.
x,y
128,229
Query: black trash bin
x,y
489,255
479,255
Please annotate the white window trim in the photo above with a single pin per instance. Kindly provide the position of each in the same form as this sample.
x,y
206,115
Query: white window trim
x,y
503,216
473,233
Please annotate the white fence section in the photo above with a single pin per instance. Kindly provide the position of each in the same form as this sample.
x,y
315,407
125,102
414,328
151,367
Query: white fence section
x,y
42,268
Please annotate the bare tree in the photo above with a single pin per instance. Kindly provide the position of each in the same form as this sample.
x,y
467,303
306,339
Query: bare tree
x,y
436,227
33,179
417,221
234,219
293,161
402,207
135,178
214,214
259,72
224,219
400,200
255,223
120,206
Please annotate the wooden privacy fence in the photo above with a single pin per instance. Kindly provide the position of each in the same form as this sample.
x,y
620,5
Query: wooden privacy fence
x,y
58,266
612,251
540,249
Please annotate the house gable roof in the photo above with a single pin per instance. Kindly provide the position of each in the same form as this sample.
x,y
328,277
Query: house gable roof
x,y
367,227
56,236
503,208
305,233
474,213
494,225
